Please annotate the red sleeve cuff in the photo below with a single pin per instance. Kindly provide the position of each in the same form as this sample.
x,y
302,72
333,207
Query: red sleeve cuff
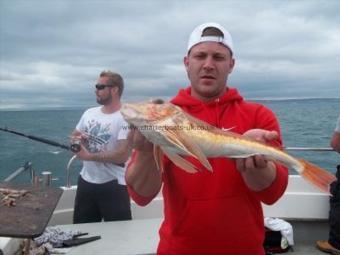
x,y
271,194
140,200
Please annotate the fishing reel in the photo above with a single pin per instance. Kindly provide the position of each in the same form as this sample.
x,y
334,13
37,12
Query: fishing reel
x,y
75,146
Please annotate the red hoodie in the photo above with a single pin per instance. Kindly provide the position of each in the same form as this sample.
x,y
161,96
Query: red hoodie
x,y
216,213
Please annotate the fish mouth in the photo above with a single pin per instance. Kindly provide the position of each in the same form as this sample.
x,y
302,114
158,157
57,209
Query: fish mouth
x,y
137,112
151,111
128,111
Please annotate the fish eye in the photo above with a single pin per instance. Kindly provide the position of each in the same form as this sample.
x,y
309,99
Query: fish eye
x,y
158,101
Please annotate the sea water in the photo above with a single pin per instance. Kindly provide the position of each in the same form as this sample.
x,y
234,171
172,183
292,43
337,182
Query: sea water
x,y
304,123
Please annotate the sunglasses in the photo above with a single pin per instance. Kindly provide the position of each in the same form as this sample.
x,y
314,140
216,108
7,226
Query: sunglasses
x,y
102,86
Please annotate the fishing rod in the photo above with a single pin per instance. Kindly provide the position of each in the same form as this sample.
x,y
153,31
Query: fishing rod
x,y
308,149
73,147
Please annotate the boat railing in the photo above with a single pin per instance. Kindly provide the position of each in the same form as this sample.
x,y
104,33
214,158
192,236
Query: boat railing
x,y
68,171
47,176
26,167
45,179
308,149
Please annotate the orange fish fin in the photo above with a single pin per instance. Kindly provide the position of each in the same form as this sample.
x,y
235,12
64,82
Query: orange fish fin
x,y
173,138
317,176
158,155
196,151
181,162
189,146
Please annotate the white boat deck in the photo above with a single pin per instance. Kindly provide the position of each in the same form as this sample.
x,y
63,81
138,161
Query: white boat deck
x,y
119,237
305,235
141,237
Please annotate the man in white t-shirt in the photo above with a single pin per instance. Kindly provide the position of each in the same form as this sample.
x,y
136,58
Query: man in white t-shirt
x,y
101,193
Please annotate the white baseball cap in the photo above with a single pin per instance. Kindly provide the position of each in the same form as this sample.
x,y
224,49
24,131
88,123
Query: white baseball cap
x,y
196,36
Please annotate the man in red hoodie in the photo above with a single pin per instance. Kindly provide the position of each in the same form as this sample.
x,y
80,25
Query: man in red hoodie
x,y
219,212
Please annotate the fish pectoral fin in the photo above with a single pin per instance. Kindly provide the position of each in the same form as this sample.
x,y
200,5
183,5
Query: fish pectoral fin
x,y
173,138
158,155
180,139
196,151
180,162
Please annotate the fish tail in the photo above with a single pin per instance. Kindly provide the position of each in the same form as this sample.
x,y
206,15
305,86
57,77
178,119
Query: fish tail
x,y
316,175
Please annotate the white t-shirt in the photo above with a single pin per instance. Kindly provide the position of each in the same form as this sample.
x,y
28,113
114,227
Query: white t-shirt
x,y
337,127
103,130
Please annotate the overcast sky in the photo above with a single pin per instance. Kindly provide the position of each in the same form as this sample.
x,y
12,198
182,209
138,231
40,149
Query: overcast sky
x,y
52,51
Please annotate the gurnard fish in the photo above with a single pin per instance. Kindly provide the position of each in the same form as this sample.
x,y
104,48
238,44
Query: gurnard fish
x,y
176,133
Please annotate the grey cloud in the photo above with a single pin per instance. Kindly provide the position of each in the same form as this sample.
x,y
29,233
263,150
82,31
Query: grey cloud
x,y
57,49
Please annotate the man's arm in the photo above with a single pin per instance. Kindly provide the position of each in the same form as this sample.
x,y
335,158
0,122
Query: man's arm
x,y
76,134
118,156
335,141
142,174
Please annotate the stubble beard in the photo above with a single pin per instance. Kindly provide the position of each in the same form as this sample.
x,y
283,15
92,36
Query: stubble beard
x,y
104,101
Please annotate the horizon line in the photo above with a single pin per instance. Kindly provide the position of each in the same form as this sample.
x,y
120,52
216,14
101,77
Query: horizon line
x,y
23,107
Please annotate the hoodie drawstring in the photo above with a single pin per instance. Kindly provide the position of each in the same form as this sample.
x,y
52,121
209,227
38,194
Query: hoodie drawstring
x,y
217,112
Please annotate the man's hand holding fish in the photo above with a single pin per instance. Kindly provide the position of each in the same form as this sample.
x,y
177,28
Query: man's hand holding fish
x,y
257,172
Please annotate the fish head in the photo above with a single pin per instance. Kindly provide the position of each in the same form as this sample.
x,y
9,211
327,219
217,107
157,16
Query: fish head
x,y
147,113
151,119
